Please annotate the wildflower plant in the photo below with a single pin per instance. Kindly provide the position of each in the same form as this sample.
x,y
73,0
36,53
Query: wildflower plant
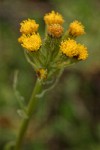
x,y
48,56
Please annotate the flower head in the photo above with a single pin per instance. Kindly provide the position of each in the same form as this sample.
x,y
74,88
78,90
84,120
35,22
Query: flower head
x,y
55,30
69,48
53,18
30,42
76,28
42,73
83,53
28,26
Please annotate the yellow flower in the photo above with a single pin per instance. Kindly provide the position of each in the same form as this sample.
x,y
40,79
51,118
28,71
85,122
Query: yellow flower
x,y
42,73
69,48
30,42
28,26
83,53
76,28
53,18
55,30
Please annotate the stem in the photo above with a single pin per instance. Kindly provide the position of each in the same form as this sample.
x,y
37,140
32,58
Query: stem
x,y
30,108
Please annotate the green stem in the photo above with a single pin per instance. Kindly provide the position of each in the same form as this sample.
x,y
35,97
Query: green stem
x,y
30,108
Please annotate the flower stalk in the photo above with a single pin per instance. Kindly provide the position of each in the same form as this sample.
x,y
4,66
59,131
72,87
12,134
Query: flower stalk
x,y
48,57
30,108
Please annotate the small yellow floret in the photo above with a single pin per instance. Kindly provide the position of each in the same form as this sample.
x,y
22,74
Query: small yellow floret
x,y
53,18
83,53
21,38
28,26
42,73
69,48
30,42
76,28
55,30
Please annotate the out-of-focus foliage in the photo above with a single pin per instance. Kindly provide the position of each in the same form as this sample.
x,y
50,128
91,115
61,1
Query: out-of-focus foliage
x,y
68,117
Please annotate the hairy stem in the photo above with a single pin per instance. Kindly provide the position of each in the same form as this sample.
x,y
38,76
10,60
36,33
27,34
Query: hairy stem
x,y
30,108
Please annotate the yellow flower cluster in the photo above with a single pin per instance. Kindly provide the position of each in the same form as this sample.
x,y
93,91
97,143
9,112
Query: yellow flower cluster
x,y
69,47
53,18
28,26
30,42
55,30
42,73
54,22
73,50
55,46
29,38
76,28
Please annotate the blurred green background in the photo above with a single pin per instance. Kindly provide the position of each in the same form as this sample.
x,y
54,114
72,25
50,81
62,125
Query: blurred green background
x,y
68,117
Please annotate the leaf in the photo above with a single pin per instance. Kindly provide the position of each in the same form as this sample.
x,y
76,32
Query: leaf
x,y
19,97
22,114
